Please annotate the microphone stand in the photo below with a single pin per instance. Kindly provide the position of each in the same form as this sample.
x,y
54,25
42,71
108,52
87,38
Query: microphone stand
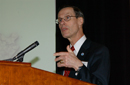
x,y
20,59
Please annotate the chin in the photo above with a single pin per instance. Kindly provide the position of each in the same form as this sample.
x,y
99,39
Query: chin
x,y
64,36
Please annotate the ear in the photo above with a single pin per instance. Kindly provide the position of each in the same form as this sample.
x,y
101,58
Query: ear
x,y
80,21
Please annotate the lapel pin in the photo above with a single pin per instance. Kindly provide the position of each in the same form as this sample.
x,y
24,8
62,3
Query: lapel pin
x,y
82,54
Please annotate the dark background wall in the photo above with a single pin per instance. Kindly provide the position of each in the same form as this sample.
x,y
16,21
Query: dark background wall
x,y
106,22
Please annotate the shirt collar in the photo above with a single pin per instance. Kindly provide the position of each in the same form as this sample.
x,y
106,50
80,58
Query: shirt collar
x,y
78,44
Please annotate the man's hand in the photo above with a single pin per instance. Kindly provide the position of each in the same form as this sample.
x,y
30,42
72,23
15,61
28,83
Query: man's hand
x,y
68,59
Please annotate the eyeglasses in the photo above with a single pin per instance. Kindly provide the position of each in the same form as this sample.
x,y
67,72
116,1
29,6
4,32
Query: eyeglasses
x,y
66,18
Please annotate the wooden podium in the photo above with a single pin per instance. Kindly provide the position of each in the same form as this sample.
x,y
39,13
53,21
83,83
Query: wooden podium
x,y
17,73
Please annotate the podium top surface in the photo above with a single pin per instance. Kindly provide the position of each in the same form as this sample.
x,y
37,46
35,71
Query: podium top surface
x,y
14,63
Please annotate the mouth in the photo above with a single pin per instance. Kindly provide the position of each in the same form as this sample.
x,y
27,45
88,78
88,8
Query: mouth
x,y
64,29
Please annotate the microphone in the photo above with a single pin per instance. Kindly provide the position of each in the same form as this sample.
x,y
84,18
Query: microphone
x,y
30,47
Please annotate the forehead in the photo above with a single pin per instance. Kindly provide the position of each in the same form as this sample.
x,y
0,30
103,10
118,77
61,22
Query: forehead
x,y
65,11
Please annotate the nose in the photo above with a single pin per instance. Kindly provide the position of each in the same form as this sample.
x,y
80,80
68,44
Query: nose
x,y
62,21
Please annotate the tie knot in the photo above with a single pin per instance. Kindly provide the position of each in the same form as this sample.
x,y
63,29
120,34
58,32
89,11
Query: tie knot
x,y
72,48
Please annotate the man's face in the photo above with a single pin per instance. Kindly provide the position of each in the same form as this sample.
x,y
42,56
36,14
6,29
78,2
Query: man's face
x,y
69,28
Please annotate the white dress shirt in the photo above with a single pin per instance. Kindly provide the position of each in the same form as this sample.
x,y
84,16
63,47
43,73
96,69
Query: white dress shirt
x,y
77,46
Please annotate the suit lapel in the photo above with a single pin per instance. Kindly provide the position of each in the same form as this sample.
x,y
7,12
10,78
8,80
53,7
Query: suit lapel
x,y
84,50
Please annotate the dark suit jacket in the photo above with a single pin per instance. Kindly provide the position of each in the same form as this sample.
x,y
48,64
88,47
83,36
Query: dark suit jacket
x,y
98,68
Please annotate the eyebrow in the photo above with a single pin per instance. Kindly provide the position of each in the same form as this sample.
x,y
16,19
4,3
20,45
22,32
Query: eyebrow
x,y
66,15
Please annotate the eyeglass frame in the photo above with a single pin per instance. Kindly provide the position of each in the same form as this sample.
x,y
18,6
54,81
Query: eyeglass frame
x,y
57,21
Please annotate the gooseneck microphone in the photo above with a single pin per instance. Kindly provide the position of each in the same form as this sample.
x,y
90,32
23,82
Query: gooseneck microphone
x,y
30,47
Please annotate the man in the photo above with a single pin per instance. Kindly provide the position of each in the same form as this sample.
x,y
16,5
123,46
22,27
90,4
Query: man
x,y
88,61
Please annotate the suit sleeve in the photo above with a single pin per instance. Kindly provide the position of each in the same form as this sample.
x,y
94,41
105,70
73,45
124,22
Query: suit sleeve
x,y
98,69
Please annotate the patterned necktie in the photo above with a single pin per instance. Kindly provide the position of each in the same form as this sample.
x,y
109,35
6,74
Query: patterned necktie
x,y
67,70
